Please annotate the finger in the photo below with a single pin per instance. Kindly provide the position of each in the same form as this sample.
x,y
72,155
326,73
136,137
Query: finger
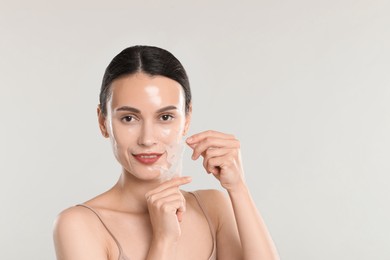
x,y
152,197
212,153
212,142
216,164
216,152
197,137
174,203
179,216
175,182
175,206
181,210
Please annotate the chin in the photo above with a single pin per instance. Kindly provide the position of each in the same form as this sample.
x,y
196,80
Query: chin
x,y
145,174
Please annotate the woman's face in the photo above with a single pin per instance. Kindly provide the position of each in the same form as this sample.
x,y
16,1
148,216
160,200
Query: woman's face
x,y
146,121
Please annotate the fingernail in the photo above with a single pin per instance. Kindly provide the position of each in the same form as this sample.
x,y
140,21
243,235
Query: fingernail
x,y
189,140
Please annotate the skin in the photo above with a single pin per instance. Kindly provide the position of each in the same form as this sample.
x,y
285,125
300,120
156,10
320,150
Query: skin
x,y
153,218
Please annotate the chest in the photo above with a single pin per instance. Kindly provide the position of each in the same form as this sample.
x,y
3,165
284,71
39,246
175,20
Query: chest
x,y
134,233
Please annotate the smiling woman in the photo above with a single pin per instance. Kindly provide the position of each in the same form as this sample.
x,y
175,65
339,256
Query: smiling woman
x,y
145,110
145,119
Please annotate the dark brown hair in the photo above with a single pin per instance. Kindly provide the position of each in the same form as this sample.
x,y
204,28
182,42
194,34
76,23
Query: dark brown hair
x,y
151,60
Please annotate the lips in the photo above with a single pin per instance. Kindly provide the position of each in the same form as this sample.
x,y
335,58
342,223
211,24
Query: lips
x,y
147,158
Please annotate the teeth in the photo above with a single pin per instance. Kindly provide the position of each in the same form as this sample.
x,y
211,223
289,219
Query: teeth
x,y
148,156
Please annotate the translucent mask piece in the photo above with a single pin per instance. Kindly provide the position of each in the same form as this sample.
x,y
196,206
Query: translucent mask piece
x,y
174,161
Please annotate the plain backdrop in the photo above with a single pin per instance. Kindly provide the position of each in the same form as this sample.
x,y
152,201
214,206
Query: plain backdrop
x,y
305,86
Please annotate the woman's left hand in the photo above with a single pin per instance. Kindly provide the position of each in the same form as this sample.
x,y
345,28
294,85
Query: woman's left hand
x,y
221,157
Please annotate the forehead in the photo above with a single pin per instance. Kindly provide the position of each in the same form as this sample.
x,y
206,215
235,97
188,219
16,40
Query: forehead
x,y
140,90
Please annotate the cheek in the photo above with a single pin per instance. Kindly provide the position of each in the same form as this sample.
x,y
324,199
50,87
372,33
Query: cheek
x,y
172,132
166,132
123,136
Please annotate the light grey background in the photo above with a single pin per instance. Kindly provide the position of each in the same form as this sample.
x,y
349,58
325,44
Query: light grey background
x,y
303,84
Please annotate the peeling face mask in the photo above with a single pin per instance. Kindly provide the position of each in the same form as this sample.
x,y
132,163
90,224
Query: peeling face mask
x,y
174,159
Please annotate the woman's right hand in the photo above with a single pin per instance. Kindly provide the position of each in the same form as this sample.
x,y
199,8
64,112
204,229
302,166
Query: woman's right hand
x,y
166,205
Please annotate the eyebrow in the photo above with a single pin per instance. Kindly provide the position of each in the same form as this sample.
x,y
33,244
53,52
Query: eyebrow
x,y
166,109
137,111
128,109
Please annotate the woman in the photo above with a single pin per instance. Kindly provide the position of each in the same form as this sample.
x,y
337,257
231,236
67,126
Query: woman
x,y
145,110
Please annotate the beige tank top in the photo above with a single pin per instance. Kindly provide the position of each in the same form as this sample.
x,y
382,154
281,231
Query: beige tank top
x,y
122,256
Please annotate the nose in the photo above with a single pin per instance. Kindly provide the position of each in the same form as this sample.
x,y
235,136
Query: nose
x,y
147,135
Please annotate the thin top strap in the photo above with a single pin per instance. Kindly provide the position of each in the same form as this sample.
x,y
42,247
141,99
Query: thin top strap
x,y
211,226
121,255
199,201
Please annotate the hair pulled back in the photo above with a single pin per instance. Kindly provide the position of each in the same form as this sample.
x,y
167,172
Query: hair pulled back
x,y
150,60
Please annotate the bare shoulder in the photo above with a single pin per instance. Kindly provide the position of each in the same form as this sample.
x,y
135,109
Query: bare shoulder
x,y
216,203
219,207
74,228
73,216
212,197
79,217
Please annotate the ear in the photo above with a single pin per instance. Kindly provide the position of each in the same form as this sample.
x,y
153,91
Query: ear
x,y
102,122
188,119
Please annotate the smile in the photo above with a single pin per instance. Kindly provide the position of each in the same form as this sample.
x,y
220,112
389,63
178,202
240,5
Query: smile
x,y
147,158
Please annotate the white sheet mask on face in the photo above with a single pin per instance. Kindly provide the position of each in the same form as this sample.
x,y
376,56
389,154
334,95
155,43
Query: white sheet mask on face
x,y
110,128
154,95
174,151
175,161
168,137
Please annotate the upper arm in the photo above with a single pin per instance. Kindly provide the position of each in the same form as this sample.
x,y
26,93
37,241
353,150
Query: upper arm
x,y
222,215
76,238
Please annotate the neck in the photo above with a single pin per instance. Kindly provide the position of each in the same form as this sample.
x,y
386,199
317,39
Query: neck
x,y
130,192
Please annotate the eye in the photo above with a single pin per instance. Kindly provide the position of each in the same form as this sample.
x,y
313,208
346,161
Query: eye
x,y
166,117
127,119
